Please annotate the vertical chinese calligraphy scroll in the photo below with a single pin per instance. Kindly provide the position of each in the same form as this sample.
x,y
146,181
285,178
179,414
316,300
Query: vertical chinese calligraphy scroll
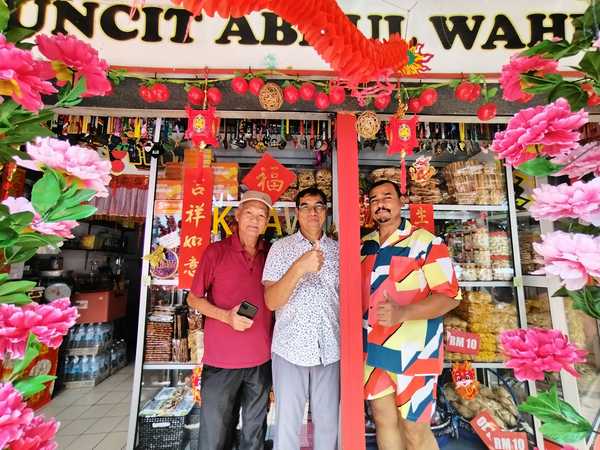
x,y
195,222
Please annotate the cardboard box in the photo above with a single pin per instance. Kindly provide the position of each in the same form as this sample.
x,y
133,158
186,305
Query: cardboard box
x,y
103,306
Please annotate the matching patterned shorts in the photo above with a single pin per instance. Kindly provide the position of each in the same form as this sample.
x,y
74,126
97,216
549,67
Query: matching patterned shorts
x,y
415,395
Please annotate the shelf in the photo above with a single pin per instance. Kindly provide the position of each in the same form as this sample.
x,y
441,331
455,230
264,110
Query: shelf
x,y
99,250
473,284
170,366
538,281
480,365
159,282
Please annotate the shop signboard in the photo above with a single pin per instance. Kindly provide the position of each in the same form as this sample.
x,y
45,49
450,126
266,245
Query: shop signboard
x,y
465,36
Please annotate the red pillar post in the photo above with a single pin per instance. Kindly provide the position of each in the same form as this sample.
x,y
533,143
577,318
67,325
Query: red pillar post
x,y
352,409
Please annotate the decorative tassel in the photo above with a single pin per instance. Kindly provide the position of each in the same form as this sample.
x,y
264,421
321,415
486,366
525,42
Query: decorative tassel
x,y
403,173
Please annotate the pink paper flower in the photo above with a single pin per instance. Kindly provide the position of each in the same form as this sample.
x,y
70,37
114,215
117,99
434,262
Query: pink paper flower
x,y
62,228
79,164
510,78
573,257
579,201
39,435
548,130
48,322
531,352
581,161
22,77
15,416
72,59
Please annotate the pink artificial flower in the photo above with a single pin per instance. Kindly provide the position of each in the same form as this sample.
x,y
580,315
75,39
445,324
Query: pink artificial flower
x,y
72,59
39,435
49,323
552,128
531,352
581,161
573,257
83,165
579,201
62,228
22,77
510,77
15,416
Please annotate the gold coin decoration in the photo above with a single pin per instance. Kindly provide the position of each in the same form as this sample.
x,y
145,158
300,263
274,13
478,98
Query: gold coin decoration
x,y
367,125
270,97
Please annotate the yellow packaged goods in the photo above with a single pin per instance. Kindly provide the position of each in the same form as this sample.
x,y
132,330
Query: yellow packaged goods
x,y
499,244
169,189
453,321
306,179
225,181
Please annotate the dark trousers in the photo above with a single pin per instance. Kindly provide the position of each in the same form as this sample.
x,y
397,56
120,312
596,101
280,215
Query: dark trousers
x,y
220,390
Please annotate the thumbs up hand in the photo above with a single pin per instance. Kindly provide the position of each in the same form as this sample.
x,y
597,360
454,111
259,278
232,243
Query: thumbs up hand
x,y
312,260
389,313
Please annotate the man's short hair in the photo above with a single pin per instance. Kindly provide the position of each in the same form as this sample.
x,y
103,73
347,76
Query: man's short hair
x,y
381,183
310,192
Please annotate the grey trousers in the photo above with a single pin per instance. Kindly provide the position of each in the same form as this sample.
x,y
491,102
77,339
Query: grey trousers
x,y
293,385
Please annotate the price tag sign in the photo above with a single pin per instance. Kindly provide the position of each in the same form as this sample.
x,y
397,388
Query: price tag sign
x,y
507,440
484,425
458,341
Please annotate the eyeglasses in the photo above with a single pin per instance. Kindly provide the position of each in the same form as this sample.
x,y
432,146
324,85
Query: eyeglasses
x,y
319,207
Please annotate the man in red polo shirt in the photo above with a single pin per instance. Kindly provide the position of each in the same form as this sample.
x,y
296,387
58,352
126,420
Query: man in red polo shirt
x,y
237,350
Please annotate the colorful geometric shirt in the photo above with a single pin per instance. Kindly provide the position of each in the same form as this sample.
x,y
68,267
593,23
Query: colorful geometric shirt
x,y
410,265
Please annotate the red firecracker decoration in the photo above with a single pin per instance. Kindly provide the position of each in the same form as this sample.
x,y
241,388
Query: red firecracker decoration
x,y
402,136
203,126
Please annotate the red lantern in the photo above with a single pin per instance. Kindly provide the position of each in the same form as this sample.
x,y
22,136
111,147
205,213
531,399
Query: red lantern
x,y
161,92
203,126
486,111
291,94
307,91
322,100
382,101
463,91
214,96
414,105
146,94
195,95
255,85
239,85
337,95
475,93
428,97
402,137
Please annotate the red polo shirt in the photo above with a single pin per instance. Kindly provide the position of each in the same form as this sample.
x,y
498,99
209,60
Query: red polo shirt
x,y
226,276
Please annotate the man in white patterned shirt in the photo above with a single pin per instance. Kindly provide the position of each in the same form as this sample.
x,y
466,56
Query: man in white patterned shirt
x,y
301,280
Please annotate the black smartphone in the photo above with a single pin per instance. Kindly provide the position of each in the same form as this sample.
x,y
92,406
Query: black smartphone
x,y
247,310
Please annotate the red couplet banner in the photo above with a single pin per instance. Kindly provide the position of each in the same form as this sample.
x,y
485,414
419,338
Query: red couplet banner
x,y
195,222
421,215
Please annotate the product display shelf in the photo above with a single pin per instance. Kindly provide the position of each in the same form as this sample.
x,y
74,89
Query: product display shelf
x,y
170,366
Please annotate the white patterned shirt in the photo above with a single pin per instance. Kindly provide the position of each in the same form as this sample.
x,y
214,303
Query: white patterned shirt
x,y
307,327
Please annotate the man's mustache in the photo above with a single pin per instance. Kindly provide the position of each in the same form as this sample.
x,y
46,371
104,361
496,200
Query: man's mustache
x,y
382,209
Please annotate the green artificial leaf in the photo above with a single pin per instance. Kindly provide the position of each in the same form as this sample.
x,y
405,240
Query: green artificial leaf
x,y
539,167
118,75
476,78
43,116
566,433
562,292
8,236
492,92
3,277
16,255
74,213
454,83
46,192
590,64
69,200
572,92
37,240
4,15
544,406
16,299
72,96
31,352
16,35
22,219
32,385
12,287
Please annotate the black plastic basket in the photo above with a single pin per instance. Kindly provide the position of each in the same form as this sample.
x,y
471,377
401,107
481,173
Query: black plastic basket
x,y
161,433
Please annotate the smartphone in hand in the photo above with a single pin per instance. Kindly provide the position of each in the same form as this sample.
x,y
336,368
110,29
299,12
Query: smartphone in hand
x,y
247,310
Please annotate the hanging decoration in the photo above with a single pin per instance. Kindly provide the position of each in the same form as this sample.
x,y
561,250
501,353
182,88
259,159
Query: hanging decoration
x,y
270,97
334,37
402,138
465,380
367,125
203,126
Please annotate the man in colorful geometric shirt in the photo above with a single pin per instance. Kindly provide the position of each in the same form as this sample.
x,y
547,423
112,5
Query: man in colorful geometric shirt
x,y
408,284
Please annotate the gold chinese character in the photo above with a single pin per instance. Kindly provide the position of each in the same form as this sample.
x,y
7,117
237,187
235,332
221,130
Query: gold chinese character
x,y
195,213
190,266
198,189
192,241
421,216
261,178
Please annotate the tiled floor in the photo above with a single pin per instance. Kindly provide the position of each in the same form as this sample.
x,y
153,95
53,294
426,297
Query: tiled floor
x,y
94,418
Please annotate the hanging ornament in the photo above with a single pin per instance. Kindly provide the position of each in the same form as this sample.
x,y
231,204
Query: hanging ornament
x,y
307,91
367,125
382,101
337,95
161,92
146,94
322,100
291,94
239,85
402,138
214,96
255,84
270,97
156,256
203,126
465,382
195,95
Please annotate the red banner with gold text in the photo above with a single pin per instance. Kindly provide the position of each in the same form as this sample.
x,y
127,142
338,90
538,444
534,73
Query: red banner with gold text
x,y
421,216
